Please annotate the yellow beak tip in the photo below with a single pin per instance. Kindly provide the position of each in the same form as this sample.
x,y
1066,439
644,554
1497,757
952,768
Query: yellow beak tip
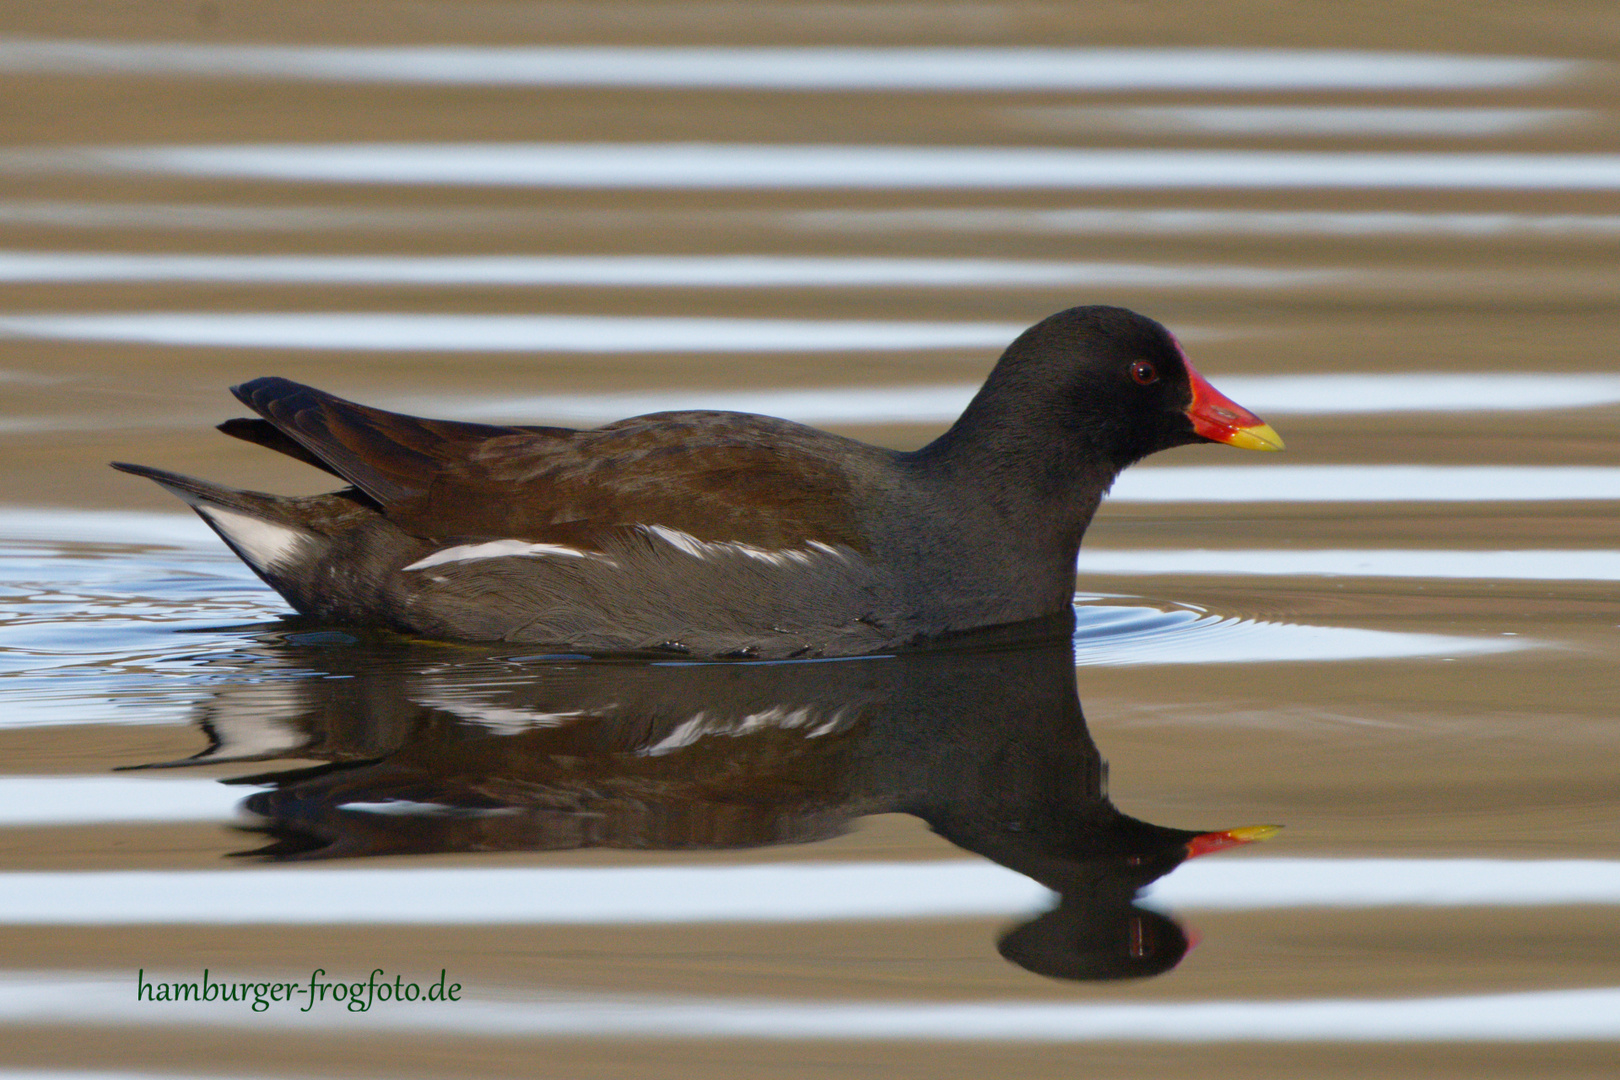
x,y
1259,437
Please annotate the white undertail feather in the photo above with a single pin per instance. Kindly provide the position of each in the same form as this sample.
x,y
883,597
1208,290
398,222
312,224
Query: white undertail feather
x,y
264,544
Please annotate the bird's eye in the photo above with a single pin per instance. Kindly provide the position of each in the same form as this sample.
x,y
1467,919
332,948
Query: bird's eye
x,y
1144,372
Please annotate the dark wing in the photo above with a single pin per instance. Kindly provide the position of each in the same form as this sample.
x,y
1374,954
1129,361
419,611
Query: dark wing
x,y
390,456
266,434
716,476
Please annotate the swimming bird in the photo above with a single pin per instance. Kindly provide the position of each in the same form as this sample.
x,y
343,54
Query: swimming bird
x,y
718,534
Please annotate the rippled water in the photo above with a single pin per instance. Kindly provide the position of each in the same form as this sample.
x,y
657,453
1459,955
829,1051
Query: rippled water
x,y
146,627
804,68
773,167
1398,640
735,272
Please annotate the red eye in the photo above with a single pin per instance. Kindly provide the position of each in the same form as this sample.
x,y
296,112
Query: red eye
x,y
1144,373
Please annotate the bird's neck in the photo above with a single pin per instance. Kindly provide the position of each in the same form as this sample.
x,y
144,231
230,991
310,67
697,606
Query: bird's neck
x,y
1017,512
1041,481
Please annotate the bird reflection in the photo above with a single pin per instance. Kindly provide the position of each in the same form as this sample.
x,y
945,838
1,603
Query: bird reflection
x,y
435,748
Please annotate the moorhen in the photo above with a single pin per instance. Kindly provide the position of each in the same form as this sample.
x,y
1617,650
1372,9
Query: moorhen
x,y
715,533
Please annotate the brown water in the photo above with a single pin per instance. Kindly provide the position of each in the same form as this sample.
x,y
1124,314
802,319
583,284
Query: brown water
x,y
1427,707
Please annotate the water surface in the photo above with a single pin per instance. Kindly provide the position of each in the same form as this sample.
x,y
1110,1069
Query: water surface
x,y
1398,640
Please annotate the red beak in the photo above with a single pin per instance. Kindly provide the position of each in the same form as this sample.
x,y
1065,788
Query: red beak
x,y
1216,416
1220,841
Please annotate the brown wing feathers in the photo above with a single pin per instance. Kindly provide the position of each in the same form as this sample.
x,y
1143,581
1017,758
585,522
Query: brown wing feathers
x,y
266,434
391,457
717,476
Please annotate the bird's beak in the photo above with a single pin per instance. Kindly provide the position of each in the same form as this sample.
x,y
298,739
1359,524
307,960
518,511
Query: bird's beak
x,y
1216,416
1220,841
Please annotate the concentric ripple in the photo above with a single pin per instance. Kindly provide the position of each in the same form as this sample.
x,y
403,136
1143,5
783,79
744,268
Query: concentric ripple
x,y
1112,632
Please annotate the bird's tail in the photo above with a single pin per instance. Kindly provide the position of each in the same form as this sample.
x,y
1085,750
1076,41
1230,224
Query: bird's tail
x,y
261,529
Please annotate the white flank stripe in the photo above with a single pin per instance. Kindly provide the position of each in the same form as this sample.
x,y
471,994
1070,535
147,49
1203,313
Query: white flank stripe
x,y
1542,565
813,68
678,540
644,271
714,166
495,549
1367,483
767,893
508,333
701,549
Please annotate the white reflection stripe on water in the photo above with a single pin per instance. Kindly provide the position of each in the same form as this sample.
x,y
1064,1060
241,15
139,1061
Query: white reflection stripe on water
x,y
1179,222
1308,394
223,217
62,525
211,217
1423,392
1360,483
819,405
731,166
707,271
779,892
802,68
1318,395
1366,483
1544,565
1538,1016
507,333
27,801
1307,120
